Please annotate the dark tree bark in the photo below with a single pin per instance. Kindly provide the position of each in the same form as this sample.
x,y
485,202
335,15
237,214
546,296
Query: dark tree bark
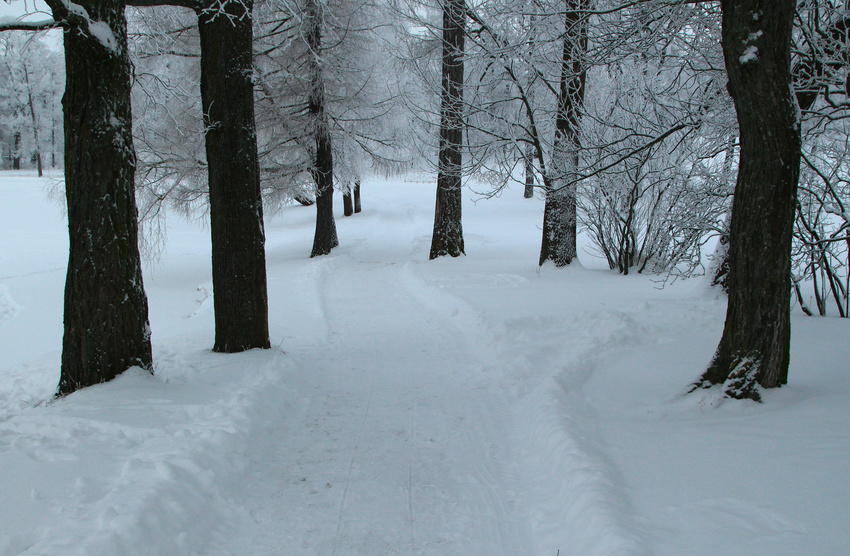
x,y
325,238
16,154
53,143
559,213
529,174
347,202
754,348
447,238
357,206
236,209
810,75
106,311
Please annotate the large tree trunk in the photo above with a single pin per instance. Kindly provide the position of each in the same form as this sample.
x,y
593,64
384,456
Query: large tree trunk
x,y
447,238
559,213
106,311
236,207
754,348
325,238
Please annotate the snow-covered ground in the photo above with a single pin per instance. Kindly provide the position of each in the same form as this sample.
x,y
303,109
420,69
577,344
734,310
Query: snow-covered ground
x,y
475,406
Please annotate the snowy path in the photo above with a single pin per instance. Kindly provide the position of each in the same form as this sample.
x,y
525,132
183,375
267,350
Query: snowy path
x,y
471,406
398,443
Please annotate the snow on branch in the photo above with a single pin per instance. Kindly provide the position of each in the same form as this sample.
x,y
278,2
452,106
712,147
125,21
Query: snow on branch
x,y
13,24
77,16
224,8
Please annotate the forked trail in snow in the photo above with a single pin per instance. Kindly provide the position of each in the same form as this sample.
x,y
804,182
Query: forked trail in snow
x,y
395,441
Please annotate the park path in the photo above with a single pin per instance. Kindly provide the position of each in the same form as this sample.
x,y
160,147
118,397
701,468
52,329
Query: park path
x,y
390,439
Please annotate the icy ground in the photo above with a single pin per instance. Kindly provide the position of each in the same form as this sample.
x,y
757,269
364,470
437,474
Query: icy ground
x,y
475,406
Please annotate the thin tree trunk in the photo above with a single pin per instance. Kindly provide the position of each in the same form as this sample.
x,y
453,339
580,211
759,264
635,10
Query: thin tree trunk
x,y
754,348
106,311
447,237
53,137
325,238
357,207
236,207
34,122
528,193
559,213
720,266
529,173
16,154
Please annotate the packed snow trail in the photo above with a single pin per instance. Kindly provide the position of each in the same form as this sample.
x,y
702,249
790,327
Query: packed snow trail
x,y
393,440
474,406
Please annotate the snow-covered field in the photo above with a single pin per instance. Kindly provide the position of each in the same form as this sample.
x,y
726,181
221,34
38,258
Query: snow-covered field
x,y
475,406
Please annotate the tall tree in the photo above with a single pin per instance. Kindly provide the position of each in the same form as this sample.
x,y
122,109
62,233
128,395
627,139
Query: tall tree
x,y
559,213
325,237
236,208
240,297
754,348
447,237
106,311
326,107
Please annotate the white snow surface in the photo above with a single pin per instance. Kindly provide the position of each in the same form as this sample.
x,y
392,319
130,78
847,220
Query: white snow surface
x,y
470,406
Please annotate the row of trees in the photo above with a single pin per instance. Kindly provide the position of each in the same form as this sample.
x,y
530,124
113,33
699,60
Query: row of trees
x,y
106,313
616,111
106,316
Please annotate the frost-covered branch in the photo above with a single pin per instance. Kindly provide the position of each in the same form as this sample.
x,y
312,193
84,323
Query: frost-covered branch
x,y
10,24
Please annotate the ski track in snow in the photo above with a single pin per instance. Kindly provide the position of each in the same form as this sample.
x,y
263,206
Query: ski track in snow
x,y
507,462
447,485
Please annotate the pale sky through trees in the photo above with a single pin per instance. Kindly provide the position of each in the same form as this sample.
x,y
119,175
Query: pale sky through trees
x,y
33,10
37,9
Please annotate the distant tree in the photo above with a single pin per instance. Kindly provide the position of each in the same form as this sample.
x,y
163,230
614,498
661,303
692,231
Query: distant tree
x,y
351,198
31,81
327,110
754,348
325,237
347,201
357,205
